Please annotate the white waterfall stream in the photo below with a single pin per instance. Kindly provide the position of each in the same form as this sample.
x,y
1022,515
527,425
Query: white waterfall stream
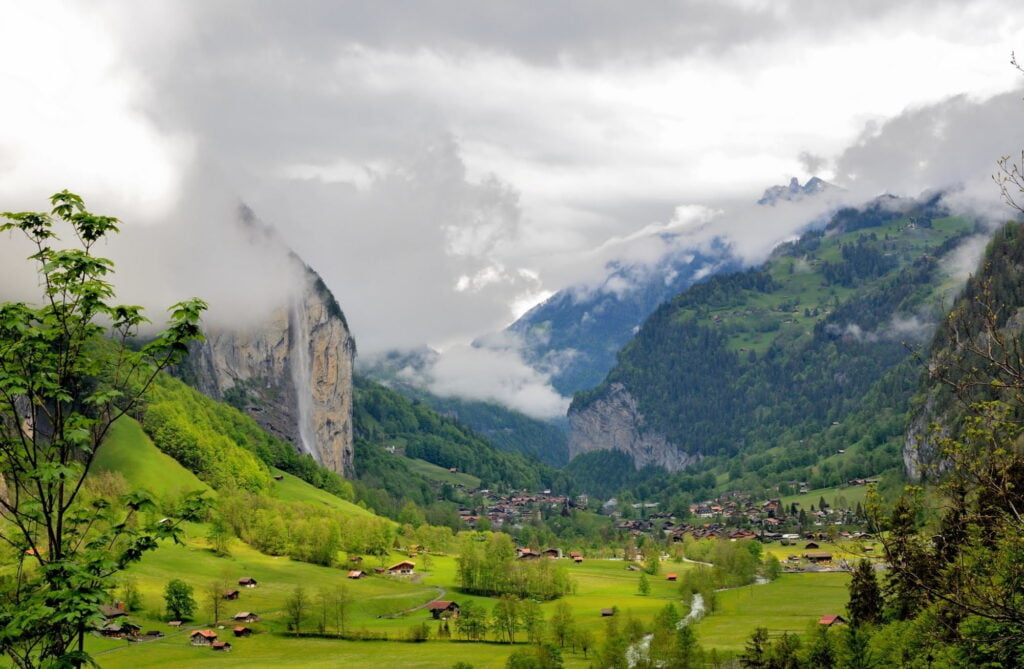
x,y
301,367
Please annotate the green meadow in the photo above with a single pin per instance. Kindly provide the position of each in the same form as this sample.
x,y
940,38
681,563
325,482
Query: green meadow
x,y
392,606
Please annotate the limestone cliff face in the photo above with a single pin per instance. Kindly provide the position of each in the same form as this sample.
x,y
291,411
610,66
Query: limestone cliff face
x,y
614,422
292,373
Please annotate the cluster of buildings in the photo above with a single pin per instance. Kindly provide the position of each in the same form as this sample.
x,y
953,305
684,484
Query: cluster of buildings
x,y
517,508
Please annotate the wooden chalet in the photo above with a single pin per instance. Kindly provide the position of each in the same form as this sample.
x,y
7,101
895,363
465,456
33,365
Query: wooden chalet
x,y
818,557
552,553
230,594
356,574
443,609
247,582
829,621
202,637
120,630
174,623
246,617
110,612
223,646
811,545
242,631
403,568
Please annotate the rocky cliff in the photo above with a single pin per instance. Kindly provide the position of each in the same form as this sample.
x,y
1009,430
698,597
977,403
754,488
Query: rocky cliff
x,y
614,422
292,374
290,365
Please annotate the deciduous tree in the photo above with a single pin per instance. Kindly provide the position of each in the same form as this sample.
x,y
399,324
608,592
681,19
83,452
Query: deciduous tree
x,y
67,372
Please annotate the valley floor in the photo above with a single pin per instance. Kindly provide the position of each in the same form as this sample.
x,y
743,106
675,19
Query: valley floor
x,y
786,605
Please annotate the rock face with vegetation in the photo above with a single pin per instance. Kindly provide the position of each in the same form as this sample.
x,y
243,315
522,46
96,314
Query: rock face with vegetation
x,y
984,327
614,422
293,374
292,370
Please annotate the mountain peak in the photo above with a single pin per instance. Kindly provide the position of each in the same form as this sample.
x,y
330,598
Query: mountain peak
x,y
794,191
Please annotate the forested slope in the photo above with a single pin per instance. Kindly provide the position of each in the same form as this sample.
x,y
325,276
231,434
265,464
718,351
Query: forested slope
x,y
791,362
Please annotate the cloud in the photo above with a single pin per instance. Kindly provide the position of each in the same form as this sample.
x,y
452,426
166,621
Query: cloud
x,y
443,169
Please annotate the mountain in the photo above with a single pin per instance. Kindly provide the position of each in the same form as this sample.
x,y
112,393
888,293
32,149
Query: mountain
x,y
986,325
794,191
292,372
505,429
822,324
576,333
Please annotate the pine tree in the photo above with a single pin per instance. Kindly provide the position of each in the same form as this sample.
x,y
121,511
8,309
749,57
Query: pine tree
x,y
865,606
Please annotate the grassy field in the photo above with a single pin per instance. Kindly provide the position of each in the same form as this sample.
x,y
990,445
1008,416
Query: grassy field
x,y
442,475
128,450
785,605
833,496
293,489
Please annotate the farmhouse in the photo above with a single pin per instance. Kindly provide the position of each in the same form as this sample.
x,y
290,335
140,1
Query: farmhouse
x,y
443,609
230,594
242,631
829,621
403,568
111,612
812,545
120,630
553,553
202,637
818,557
356,574
247,617
247,581
221,646
174,623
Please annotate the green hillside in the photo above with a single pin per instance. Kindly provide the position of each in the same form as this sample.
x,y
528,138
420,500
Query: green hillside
x,y
129,451
825,323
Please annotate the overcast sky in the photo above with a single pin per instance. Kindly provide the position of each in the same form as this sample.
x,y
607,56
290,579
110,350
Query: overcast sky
x,y
445,165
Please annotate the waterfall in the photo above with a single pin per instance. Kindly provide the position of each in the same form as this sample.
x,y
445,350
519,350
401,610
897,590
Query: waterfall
x,y
302,376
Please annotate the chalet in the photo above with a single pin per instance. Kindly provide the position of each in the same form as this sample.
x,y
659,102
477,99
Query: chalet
x,y
527,554
670,577
120,630
247,582
811,544
202,637
552,553
356,574
403,568
111,612
174,623
355,558
818,557
829,621
155,634
575,554
222,646
443,609
578,559
246,617
242,631
230,594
